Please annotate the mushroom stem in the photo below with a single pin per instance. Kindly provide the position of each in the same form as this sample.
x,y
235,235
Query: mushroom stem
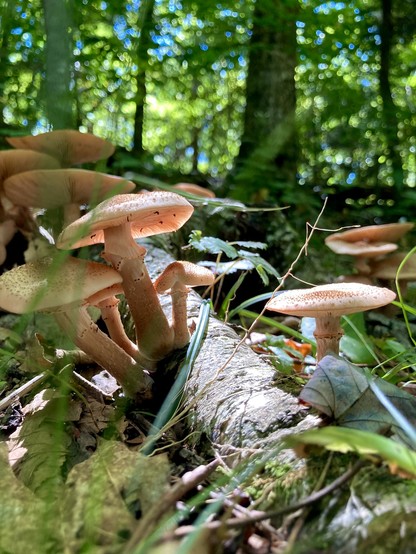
x,y
112,319
153,333
106,353
180,316
328,333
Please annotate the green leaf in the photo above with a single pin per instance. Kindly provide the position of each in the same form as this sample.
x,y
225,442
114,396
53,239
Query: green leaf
x,y
362,442
211,245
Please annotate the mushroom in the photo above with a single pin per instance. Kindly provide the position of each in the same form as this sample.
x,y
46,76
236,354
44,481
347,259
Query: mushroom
x,y
66,289
7,232
68,146
63,187
194,189
386,269
327,303
176,279
117,222
367,242
390,232
17,161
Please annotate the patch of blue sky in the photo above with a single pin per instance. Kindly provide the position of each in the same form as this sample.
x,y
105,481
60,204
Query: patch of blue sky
x,y
366,82
326,7
300,24
16,31
351,178
226,12
27,40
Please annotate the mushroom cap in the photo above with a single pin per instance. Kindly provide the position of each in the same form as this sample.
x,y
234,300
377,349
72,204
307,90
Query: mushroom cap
x,y
185,274
335,299
148,214
389,232
195,189
58,187
17,161
361,249
51,286
68,146
387,268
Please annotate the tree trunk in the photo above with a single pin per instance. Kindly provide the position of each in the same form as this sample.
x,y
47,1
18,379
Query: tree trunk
x,y
268,145
145,25
58,64
389,115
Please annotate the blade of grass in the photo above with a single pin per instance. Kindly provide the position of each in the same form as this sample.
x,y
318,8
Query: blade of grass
x,y
174,396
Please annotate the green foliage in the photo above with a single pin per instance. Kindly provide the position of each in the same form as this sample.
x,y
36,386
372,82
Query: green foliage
x,y
365,443
242,258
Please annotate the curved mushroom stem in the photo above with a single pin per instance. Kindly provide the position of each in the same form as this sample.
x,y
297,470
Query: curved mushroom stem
x,y
153,332
106,353
112,319
328,333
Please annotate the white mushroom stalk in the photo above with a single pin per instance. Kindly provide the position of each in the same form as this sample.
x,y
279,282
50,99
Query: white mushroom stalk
x,y
177,279
327,303
117,222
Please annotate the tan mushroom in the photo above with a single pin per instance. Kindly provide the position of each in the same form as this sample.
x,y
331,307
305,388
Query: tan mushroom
x,y
368,242
386,270
194,189
176,279
68,146
327,303
390,232
361,251
63,187
66,289
118,222
7,231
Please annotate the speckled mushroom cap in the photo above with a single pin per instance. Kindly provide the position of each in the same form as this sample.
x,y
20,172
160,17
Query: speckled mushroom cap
x,y
390,232
68,146
50,286
149,214
333,300
17,161
185,273
361,249
58,187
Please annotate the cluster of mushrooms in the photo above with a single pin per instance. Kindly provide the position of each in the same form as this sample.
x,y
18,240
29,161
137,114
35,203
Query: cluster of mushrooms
x,y
374,249
39,174
371,247
67,286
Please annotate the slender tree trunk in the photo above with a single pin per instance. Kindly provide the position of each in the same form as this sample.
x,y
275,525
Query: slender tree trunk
x,y
59,98
268,146
145,25
390,120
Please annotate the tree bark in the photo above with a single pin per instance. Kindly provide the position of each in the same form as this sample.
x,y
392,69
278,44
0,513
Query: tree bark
x,y
389,115
232,399
268,145
145,25
58,64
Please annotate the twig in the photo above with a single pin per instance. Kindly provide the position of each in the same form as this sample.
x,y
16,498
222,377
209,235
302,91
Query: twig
x,y
186,483
307,501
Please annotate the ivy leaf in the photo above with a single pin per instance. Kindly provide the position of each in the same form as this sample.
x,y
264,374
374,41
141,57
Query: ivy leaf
x,y
342,391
